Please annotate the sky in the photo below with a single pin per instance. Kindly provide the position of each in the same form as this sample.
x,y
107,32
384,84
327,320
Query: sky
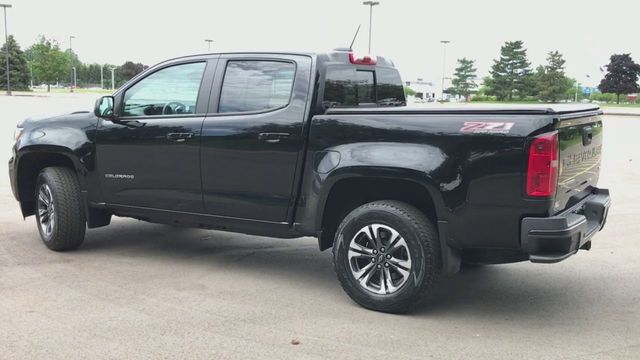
x,y
407,31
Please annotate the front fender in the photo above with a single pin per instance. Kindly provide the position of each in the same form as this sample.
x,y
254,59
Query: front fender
x,y
71,142
51,145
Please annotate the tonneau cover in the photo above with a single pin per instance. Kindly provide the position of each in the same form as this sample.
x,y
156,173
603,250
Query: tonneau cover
x,y
489,109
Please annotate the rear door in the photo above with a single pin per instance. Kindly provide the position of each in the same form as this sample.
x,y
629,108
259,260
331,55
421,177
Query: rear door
x,y
580,146
252,139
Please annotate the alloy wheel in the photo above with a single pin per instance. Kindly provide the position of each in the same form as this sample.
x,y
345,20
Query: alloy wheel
x,y
379,259
46,210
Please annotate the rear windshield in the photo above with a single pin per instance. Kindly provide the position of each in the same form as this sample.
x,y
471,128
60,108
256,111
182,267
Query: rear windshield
x,y
347,86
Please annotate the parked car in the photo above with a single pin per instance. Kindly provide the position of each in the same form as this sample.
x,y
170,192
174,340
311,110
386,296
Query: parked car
x,y
292,145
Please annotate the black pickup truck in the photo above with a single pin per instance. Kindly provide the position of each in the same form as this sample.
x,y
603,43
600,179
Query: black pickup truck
x,y
323,145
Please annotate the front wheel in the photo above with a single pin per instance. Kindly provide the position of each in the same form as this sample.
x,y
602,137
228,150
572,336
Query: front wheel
x,y
59,213
386,256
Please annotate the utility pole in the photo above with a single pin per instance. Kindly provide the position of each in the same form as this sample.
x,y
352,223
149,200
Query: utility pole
x,y
113,79
209,41
101,76
444,68
371,4
6,42
71,62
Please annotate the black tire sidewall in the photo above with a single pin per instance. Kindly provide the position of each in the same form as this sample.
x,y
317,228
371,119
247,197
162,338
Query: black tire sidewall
x,y
70,221
420,258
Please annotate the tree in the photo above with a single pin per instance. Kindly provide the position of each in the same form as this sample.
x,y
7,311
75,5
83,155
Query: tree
x,y
128,70
409,91
18,67
622,76
511,74
464,78
73,61
91,75
49,64
551,83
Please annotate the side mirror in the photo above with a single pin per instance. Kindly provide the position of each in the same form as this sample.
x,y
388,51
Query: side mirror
x,y
104,108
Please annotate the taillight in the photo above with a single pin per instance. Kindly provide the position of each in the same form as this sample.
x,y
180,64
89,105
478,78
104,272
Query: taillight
x,y
363,60
542,172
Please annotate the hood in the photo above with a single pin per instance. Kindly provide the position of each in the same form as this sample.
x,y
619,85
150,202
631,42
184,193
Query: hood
x,y
66,119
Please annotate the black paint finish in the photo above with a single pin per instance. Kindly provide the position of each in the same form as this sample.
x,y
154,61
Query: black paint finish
x,y
270,173
155,164
249,160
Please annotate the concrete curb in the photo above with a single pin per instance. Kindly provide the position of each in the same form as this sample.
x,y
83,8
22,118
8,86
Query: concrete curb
x,y
620,113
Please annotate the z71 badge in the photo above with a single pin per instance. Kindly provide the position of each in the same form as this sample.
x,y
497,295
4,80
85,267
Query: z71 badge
x,y
483,127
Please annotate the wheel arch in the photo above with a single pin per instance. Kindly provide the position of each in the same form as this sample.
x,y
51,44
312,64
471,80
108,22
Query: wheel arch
x,y
350,189
31,160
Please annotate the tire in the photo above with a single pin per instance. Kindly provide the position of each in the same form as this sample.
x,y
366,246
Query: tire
x,y
62,224
400,287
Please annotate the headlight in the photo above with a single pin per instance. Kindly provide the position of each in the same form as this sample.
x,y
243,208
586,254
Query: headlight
x,y
17,133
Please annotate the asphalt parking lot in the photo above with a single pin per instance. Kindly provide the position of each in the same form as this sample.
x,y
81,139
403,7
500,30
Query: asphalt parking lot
x,y
138,290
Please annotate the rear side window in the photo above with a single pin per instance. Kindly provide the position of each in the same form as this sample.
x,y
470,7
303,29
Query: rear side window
x,y
349,87
256,86
389,88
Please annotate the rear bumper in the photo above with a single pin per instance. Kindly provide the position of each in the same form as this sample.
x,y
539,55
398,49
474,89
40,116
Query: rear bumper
x,y
555,238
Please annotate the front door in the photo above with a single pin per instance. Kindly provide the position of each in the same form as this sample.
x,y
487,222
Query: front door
x,y
251,146
150,156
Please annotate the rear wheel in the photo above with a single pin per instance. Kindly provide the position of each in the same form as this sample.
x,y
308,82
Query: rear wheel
x,y
386,256
59,212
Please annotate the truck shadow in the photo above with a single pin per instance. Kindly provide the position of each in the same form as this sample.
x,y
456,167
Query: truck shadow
x,y
288,260
504,292
516,292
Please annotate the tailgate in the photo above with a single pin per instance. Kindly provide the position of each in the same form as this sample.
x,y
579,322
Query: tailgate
x,y
580,146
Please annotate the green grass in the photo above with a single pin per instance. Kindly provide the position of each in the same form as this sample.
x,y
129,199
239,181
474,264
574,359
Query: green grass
x,y
507,102
627,105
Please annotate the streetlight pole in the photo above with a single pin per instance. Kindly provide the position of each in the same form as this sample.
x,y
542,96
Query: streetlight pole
x,y
6,44
113,79
75,77
101,76
444,67
71,60
209,41
371,4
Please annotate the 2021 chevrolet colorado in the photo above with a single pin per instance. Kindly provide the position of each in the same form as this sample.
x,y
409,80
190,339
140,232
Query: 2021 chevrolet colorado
x,y
292,145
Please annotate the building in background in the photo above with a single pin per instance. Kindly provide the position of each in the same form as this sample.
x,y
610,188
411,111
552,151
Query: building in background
x,y
425,91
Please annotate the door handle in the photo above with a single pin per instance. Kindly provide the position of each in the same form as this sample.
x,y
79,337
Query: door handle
x,y
273,137
179,137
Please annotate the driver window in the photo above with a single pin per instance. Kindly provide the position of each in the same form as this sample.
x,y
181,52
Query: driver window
x,y
170,91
